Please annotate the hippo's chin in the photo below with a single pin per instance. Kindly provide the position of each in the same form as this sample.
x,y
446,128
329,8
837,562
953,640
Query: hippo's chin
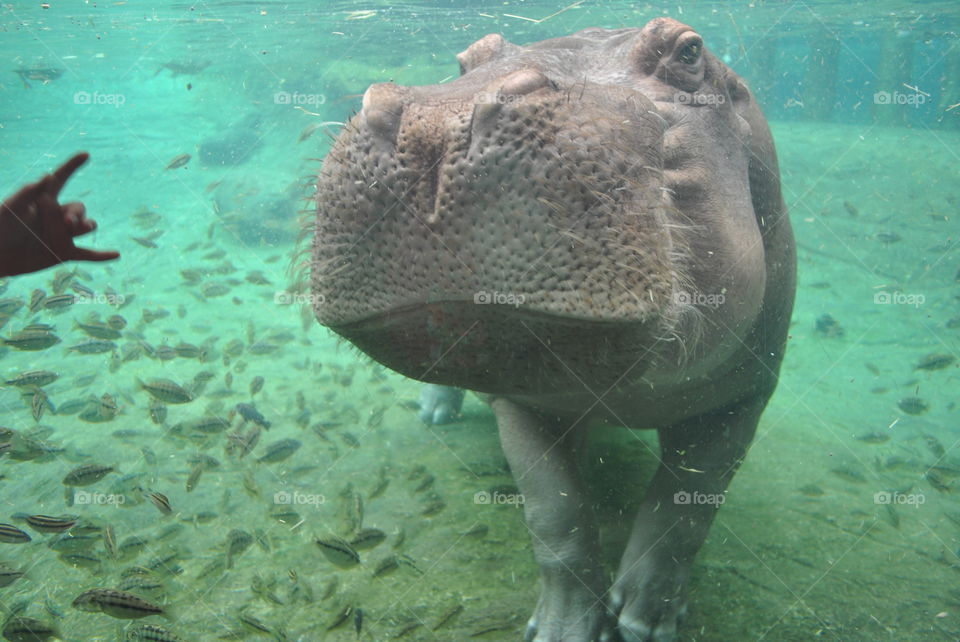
x,y
496,349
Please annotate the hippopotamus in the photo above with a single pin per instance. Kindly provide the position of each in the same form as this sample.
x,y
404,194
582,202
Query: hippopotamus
x,y
584,230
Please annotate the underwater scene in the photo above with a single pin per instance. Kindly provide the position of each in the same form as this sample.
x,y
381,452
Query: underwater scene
x,y
187,454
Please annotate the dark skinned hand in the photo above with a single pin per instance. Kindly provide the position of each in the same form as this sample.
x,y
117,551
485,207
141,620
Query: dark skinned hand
x,y
36,231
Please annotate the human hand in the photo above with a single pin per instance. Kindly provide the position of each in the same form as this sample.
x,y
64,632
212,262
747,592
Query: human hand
x,y
36,231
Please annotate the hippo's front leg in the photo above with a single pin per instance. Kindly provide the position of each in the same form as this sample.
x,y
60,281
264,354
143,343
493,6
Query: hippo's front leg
x,y
699,458
542,457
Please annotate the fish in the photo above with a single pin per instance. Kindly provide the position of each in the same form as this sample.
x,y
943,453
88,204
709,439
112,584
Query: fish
x,y
338,552
873,438
150,633
934,446
89,561
132,546
194,478
99,410
87,474
386,566
183,68
48,524
81,289
256,277
448,617
209,425
935,361
73,542
28,629
178,161
93,346
367,538
358,621
189,351
279,451
119,604
98,330
32,340
913,405
166,391
9,575
33,378
161,502
38,403
10,534
45,75
242,443
238,541
59,301
110,542
116,322
145,241
37,297
342,618
158,412
256,385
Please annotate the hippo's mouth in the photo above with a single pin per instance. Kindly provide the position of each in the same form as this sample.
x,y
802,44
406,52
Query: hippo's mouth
x,y
493,347
437,197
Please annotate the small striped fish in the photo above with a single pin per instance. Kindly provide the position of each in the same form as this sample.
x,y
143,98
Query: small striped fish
x,y
166,391
339,552
8,575
27,629
87,474
33,378
161,502
151,633
119,604
48,524
13,535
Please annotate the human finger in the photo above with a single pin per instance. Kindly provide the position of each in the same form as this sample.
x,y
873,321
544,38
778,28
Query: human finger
x,y
62,174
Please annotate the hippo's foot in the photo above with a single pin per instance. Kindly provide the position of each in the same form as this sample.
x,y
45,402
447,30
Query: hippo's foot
x,y
439,404
649,599
569,609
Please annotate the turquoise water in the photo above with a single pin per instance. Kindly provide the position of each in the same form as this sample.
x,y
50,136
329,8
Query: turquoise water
x,y
253,92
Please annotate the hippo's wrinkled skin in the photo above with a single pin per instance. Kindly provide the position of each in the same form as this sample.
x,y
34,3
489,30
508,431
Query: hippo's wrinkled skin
x,y
586,229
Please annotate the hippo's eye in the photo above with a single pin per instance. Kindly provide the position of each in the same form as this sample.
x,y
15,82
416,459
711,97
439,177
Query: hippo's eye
x,y
691,53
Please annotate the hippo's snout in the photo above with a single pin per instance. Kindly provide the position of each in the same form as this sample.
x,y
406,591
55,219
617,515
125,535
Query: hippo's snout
x,y
545,197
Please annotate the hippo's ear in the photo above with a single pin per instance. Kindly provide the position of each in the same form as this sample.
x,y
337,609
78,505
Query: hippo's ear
x,y
489,47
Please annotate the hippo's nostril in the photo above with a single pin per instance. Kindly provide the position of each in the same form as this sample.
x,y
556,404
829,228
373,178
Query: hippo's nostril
x,y
382,109
523,82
